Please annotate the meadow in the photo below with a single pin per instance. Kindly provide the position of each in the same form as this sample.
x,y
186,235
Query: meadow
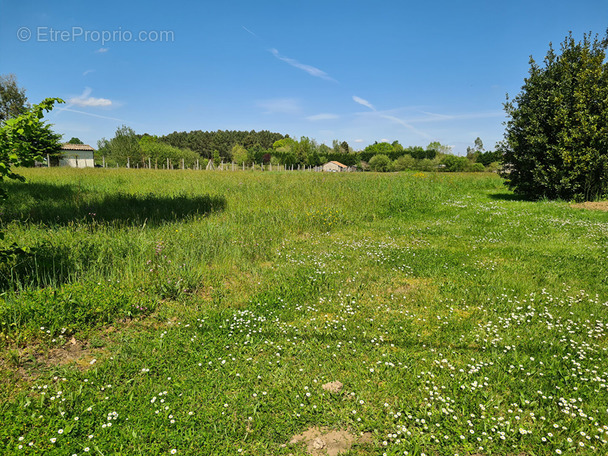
x,y
207,312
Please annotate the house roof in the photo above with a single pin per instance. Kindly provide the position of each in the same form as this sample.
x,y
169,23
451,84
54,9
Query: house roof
x,y
76,147
338,163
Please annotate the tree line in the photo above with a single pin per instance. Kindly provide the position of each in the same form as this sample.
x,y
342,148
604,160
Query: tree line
x,y
251,147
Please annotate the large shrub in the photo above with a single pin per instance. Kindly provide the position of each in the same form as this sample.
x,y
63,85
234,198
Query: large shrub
x,y
556,140
380,163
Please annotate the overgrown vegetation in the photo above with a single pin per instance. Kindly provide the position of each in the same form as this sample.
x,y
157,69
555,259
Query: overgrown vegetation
x,y
460,319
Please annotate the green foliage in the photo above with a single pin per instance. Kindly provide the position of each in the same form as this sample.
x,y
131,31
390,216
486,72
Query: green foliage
x,y
556,137
489,157
380,163
13,101
26,138
239,154
453,163
71,308
439,148
123,148
206,142
404,162
157,152
426,164
75,141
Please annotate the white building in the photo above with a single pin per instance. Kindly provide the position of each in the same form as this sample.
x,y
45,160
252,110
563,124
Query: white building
x,y
77,156
334,167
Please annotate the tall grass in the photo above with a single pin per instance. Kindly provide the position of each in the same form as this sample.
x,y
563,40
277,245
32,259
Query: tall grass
x,y
212,306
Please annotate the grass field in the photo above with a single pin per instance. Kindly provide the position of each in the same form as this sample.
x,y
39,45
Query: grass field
x,y
184,312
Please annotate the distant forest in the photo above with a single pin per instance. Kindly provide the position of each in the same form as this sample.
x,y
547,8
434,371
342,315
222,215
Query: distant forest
x,y
206,142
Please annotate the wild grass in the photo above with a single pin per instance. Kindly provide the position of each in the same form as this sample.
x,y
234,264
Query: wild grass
x,y
211,307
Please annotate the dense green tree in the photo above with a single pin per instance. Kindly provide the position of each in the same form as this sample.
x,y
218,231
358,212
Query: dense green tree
x,y
486,158
453,163
556,139
205,142
156,153
13,101
404,162
473,153
26,138
75,141
344,147
239,154
380,163
123,148
439,148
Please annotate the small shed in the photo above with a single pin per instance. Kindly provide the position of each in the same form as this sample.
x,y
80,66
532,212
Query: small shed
x,y
334,167
77,156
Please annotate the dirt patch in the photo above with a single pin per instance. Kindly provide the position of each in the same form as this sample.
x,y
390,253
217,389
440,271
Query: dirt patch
x,y
25,364
333,387
592,205
325,441
74,351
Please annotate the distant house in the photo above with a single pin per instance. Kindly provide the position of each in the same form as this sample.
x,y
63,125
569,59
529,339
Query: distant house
x,y
77,156
335,167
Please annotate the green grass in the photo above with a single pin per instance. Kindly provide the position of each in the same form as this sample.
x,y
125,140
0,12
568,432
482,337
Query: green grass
x,y
203,312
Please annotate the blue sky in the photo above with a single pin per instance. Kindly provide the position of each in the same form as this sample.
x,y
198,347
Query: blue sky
x,y
358,71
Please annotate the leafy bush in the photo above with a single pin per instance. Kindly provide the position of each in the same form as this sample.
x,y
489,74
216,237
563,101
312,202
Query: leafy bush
x,y
404,162
159,152
380,163
454,164
425,165
555,142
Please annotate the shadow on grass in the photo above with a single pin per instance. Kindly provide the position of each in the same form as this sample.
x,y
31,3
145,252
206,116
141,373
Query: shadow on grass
x,y
47,204
508,197
62,204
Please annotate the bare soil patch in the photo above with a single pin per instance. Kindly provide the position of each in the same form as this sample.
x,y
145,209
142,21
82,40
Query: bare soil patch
x,y
592,205
324,441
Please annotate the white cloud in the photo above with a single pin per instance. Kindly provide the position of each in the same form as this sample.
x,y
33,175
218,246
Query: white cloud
x,y
313,71
363,102
88,72
323,116
102,50
280,105
85,100
359,140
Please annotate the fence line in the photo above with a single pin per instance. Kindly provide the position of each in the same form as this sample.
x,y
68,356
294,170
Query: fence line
x,y
146,163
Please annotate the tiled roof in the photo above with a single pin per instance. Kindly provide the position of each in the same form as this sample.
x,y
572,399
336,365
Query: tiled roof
x,y
338,163
76,147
